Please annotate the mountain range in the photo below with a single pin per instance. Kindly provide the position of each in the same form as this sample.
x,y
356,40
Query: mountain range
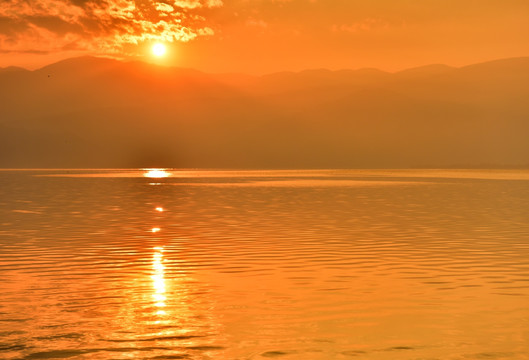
x,y
95,112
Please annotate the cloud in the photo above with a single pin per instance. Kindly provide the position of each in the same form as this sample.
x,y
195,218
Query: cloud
x,y
163,7
103,26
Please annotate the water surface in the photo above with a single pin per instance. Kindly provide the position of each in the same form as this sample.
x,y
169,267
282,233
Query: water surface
x,y
335,264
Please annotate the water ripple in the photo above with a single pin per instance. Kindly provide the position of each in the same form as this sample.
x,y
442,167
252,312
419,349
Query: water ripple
x,y
301,265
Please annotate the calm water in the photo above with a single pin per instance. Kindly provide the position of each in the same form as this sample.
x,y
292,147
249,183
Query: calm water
x,y
255,265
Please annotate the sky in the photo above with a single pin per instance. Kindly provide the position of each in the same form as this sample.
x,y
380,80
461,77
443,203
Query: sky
x,y
263,36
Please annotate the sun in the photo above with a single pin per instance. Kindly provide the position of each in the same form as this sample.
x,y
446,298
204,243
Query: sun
x,y
159,49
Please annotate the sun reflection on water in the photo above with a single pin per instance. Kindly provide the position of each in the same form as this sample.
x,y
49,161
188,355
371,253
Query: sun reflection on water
x,y
158,281
156,173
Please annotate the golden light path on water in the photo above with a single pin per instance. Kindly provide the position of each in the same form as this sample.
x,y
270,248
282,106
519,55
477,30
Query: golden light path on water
x,y
158,276
158,281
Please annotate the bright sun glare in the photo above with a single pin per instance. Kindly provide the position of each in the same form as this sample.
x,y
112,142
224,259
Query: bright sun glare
x,y
156,173
159,49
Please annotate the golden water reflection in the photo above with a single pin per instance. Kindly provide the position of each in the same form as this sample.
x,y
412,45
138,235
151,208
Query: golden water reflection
x,y
309,272
158,281
156,173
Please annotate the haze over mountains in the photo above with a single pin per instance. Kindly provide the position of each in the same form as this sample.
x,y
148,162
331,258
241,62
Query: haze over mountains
x,y
95,112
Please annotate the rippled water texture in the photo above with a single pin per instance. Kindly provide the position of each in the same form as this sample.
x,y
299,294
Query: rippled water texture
x,y
264,264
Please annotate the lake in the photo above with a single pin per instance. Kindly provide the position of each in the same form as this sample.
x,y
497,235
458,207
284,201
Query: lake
x,y
326,264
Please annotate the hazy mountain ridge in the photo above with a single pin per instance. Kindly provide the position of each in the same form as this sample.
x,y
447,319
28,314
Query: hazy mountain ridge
x,y
11,69
94,112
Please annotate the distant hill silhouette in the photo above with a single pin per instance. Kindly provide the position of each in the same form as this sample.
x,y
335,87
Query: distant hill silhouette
x,y
98,112
12,69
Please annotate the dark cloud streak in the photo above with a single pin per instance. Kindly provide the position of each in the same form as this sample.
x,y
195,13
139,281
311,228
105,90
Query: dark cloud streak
x,y
54,24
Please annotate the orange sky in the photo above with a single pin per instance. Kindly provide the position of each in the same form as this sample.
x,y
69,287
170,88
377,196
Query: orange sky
x,y
260,36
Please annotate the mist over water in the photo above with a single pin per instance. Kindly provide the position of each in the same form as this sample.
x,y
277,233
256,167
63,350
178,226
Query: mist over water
x,y
317,265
